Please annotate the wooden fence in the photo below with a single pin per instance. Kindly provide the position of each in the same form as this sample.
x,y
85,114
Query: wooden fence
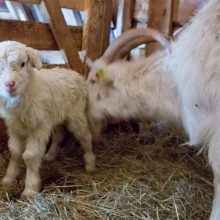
x,y
57,35
93,36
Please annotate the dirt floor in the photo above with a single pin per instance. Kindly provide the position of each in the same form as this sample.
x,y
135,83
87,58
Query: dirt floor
x,y
150,176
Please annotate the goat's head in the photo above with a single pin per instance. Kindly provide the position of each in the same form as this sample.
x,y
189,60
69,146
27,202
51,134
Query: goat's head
x,y
16,60
103,71
101,75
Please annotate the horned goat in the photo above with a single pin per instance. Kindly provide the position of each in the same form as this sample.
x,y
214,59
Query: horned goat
x,y
33,103
193,66
123,90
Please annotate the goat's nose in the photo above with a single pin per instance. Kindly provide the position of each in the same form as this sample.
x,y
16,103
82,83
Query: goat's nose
x,y
10,83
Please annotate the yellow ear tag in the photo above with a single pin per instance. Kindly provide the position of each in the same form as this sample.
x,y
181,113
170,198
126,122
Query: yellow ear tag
x,y
101,74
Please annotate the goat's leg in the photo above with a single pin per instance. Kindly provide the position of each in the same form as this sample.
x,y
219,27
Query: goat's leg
x,y
214,152
96,127
57,137
16,148
215,214
32,156
79,127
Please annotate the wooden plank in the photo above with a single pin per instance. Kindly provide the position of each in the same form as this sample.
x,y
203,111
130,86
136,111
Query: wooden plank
x,y
183,10
75,4
106,24
50,66
29,1
125,15
128,12
160,13
72,4
36,35
62,33
96,31
115,11
97,28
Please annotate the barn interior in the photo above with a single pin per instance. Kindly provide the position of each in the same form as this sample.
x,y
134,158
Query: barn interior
x,y
149,174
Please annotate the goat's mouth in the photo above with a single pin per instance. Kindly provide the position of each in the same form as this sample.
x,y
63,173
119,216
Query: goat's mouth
x,y
11,91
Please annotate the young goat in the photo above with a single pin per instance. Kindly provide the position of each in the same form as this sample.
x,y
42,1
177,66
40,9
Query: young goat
x,y
32,103
193,64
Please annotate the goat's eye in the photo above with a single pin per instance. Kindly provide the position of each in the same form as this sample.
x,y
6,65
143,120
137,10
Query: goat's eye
x,y
23,64
92,81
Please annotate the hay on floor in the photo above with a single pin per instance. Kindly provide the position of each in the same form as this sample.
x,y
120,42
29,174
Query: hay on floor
x,y
147,177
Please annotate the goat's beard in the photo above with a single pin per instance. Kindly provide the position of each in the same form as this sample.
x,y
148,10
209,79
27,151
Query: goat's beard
x,y
11,102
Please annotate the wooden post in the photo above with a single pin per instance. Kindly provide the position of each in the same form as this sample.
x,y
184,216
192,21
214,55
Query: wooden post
x,y
62,33
97,27
160,18
128,12
125,15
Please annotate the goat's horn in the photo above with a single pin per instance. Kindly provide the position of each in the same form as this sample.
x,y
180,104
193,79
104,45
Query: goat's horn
x,y
131,45
136,35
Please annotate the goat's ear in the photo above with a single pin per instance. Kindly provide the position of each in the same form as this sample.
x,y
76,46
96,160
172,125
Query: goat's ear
x,y
89,62
34,57
103,76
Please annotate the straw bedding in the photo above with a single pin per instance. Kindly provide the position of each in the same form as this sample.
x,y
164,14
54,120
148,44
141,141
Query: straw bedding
x,y
149,176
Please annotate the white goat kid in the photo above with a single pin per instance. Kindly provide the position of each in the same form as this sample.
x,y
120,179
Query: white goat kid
x,y
140,90
33,102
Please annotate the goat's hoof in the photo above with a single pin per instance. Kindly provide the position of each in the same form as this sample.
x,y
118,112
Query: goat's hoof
x,y
7,181
49,157
90,168
28,194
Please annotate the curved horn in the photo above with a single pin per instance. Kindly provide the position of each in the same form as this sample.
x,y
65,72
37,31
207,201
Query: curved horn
x,y
123,52
134,35
133,44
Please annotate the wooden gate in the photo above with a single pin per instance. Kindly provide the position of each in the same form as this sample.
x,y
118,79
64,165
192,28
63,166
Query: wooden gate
x,y
57,35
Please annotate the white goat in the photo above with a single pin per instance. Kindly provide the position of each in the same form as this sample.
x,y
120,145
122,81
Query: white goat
x,y
194,66
33,102
137,90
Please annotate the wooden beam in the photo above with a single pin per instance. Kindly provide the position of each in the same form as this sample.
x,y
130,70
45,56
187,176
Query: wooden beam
x,y
36,35
75,4
115,11
97,27
160,18
183,10
125,15
72,4
62,33
29,1
128,13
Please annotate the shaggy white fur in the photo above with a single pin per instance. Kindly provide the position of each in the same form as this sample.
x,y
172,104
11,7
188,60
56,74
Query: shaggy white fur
x,y
33,102
140,90
183,84
195,67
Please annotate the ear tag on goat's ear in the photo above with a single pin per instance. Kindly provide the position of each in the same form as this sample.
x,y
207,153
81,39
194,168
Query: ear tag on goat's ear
x,y
101,74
